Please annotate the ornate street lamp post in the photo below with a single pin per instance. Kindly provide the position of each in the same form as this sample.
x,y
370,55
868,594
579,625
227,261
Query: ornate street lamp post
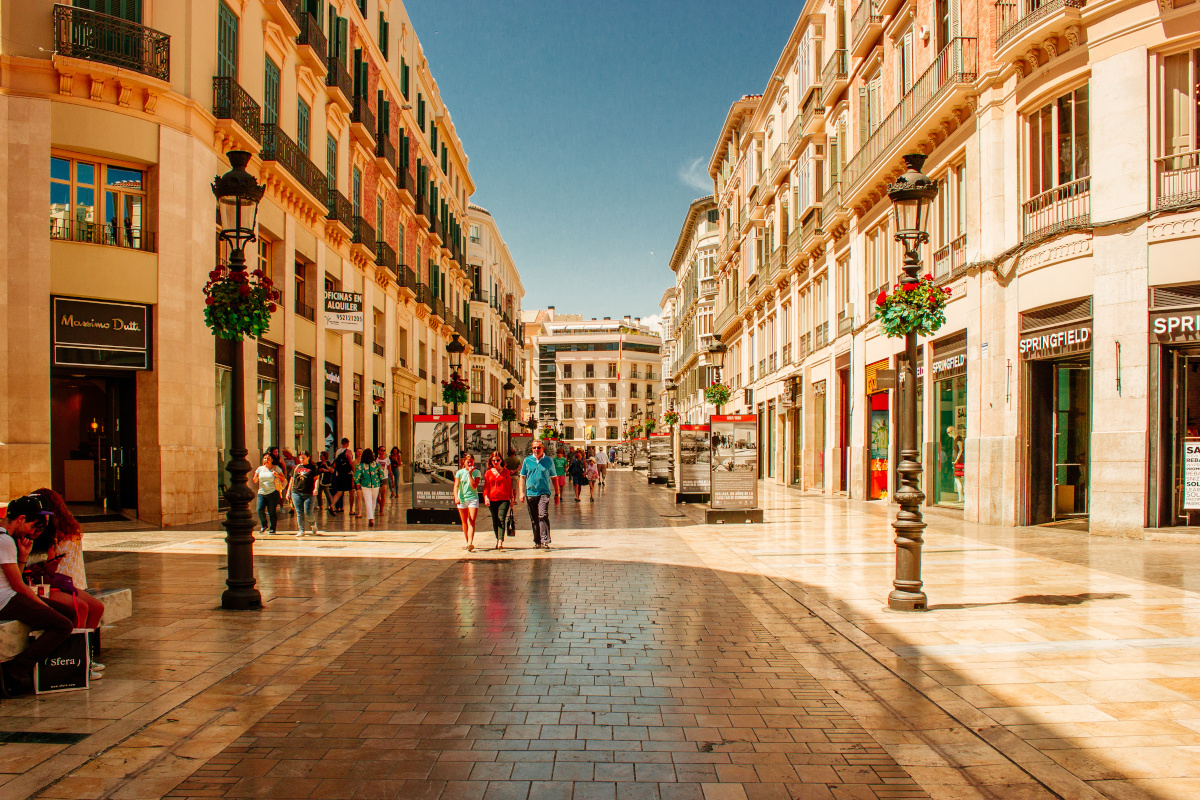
x,y
509,414
911,196
238,195
716,357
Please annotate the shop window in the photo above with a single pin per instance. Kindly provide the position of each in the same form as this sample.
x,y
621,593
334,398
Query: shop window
x,y
99,203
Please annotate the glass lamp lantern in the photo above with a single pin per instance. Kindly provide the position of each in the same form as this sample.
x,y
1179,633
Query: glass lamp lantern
x,y
912,195
238,195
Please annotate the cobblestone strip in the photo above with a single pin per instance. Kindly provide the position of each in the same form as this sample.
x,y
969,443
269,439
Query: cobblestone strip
x,y
563,678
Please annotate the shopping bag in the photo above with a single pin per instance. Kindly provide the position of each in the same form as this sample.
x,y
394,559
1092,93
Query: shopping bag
x,y
67,668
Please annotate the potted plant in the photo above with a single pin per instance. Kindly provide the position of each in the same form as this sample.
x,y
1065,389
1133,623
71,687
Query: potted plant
x,y
718,394
919,307
455,391
238,304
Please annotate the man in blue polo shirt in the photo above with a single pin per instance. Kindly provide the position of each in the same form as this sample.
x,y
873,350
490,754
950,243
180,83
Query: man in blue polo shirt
x,y
537,473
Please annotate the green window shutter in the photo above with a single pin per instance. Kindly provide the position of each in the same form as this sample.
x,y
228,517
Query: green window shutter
x,y
331,159
863,115
443,159
356,187
433,137
379,218
403,150
360,85
403,77
271,93
420,111
130,10
303,117
383,35
227,42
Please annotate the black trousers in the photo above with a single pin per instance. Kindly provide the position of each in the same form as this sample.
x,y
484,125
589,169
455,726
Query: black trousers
x,y
499,509
56,628
539,516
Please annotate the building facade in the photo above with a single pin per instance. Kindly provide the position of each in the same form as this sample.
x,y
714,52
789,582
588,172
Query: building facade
x,y
367,192
666,313
1063,139
595,378
694,262
497,339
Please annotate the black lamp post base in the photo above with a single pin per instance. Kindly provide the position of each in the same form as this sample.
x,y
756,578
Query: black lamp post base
x,y
241,599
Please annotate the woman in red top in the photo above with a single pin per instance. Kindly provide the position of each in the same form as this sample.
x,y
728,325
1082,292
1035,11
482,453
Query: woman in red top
x,y
498,494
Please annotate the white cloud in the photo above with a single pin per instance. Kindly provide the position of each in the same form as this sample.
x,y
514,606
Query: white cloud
x,y
654,323
696,176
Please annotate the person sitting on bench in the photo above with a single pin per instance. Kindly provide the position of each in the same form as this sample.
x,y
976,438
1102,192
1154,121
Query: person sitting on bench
x,y
26,519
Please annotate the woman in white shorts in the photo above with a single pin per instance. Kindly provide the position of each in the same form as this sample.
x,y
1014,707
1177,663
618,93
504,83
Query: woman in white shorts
x,y
466,496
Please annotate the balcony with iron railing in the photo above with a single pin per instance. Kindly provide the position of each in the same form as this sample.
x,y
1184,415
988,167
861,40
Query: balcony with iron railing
x,y
377,349
786,357
750,374
778,260
340,210
834,77
233,104
946,256
104,39
385,256
865,26
810,230
304,310
796,138
1021,23
805,347
437,307
777,163
313,48
950,75
406,279
743,217
338,86
845,322
812,113
821,336
772,363
385,155
364,236
277,146
833,210
362,121
479,296
1062,208
286,14
1178,179
105,233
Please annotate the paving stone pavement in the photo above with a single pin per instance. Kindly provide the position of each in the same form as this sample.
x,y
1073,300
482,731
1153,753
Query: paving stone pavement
x,y
647,655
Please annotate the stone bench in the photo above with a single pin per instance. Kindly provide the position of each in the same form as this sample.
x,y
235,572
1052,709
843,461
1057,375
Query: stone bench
x,y
118,605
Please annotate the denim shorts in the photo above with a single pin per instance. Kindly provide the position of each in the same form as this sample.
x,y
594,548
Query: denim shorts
x,y
468,504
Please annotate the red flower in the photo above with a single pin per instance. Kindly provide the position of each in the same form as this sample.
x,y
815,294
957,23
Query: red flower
x,y
926,277
214,275
208,301
272,306
244,290
879,301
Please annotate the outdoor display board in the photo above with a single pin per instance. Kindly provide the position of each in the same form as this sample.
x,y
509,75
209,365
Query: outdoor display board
x,y
1191,474
344,311
522,443
641,453
695,460
624,453
435,460
482,441
734,448
659,456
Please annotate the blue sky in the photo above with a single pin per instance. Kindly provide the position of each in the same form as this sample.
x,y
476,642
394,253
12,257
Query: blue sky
x,y
589,127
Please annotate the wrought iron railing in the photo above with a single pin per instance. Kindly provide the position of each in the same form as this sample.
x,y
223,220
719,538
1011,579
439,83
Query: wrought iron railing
x,y
438,307
956,64
360,112
845,323
831,203
312,36
778,259
363,233
786,358
377,349
821,337
1178,179
407,278
232,102
796,131
812,106
811,225
1058,209
835,70
305,310
941,262
480,296
420,205
1014,17
278,146
338,77
340,207
92,36
385,255
865,15
776,161
958,253
385,149
107,233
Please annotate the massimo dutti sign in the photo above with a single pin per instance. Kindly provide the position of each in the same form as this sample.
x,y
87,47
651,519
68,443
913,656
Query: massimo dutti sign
x,y
99,333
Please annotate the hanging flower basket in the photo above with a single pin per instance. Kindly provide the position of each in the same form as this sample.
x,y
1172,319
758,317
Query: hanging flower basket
x,y
919,307
508,415
718,394
671,418
546,432
634,430
238,304
455,391
650,426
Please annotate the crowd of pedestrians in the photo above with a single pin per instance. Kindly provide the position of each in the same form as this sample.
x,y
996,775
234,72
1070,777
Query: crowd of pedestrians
x,y
366,479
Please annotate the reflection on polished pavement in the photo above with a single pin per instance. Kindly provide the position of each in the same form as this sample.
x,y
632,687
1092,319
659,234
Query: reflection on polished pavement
x,y
645,656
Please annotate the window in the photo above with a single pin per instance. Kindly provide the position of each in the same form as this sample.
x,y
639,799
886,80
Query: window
x,y
611,431
227,42
130,10
1179,125
591,410
904,62
76,187
302,306
612,388
379,218
356,191
612,411
589,371
264,258
568,410
1058,142
475,234
331,159
420,111
870,107
589,390
303,124
383,35
569,431
271,93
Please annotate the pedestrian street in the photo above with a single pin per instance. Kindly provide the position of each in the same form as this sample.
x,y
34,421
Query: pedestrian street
x,y
646,655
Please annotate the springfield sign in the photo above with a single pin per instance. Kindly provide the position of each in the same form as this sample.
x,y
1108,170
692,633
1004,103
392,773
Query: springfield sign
x,y
344,311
